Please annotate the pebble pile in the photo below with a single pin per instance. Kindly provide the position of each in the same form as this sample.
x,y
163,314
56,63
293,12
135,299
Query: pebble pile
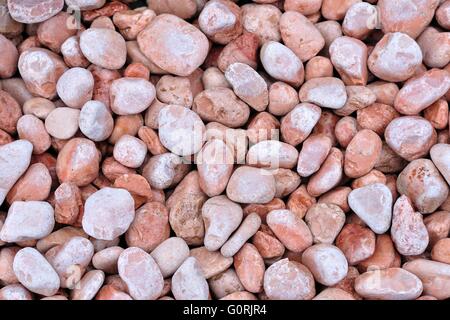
x,y
195,149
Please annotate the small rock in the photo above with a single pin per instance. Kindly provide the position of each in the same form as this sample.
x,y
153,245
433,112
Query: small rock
x,y
170,254
140,273
389,284
35,273
289,280
188,282
408,231
373,204
326,262
291,230
104,47
108,213
28,220
221,217
251,185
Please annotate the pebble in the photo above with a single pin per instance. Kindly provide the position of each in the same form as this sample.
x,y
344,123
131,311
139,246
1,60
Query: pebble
x,y
329,174
407,16
35,273
243,49
10,112
62,122
164,170
389,284
131,95
272,154
251,185
181,130
35,185
28,220
441,251
282,98
78,162
211,263
326,262
440,153
71,257
88,286
130,151
226,283
185,209
7,275
72,54
221,21
434,276
281,63
221,217
170,255
362,153
41,70
267,244
373,204
250,268
360,20
14,161
291,230
327,92
334,294
184,10
411,99
376,117
246,230
149,228
53,32
10,56
248,85
108,213
215,166
298,124
423,184
325,221
435,46
162,39
95,121
141,274
395,57
106,259
75,87
314,151
175,90
289,280
300,35
356,242
408,231
335,10
349,57
32,129
442,15
104,47
384,257
15,292
221,105
411,137
34,11
188,282
262,20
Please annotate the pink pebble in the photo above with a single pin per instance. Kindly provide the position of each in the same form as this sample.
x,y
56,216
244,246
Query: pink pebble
x,y
35,273
108,213
140,273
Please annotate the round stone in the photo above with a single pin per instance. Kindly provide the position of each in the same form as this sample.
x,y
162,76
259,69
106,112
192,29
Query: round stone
x,y
108,213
